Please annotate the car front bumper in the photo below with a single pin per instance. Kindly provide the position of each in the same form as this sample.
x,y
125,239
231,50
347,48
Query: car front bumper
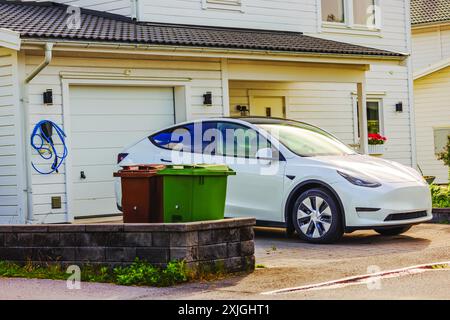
x,y
392,204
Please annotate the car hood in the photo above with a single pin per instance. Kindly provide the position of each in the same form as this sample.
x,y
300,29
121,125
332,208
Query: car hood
x,y
375,168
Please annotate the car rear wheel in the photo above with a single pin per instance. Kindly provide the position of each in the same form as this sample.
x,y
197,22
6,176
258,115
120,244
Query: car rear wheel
x,y
392,231
316,217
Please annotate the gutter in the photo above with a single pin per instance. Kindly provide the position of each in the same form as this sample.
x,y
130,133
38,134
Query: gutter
x,y
43,64
216,52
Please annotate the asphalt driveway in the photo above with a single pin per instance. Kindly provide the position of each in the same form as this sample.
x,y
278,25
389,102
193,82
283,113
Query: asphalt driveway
x,y
289,263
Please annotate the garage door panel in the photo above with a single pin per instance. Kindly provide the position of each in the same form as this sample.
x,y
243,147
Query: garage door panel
x,y
117,123
96,190
100,173
104,120
81,140
95,156
120,107
97,207
117,92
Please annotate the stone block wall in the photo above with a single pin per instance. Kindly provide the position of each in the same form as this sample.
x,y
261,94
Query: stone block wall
x,y
224,245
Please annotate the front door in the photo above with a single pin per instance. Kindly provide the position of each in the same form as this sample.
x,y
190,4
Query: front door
x,y
268,107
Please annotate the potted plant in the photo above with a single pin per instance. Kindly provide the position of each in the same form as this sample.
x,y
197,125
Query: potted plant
x,y
376,143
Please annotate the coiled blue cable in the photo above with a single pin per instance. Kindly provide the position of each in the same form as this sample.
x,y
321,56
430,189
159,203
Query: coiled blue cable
x,y
46,148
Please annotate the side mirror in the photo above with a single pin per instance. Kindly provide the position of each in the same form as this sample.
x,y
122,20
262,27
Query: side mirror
x,y
264,156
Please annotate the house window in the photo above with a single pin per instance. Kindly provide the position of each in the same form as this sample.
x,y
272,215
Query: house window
x,y
351,13
364,12
374,117
440,139
333,11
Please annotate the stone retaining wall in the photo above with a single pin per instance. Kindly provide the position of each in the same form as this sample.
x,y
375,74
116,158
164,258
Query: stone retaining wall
x,y
441,215
225,245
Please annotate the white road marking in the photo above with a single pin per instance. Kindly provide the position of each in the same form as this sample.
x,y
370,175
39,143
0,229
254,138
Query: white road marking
x,y
366,278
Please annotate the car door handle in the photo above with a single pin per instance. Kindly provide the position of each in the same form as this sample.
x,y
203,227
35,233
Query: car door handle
x,y
167,161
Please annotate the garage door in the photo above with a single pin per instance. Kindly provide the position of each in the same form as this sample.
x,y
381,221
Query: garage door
x,y
103,121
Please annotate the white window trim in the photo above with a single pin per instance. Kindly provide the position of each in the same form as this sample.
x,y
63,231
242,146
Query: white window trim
x,y
371,97
348,26
231,5
444,127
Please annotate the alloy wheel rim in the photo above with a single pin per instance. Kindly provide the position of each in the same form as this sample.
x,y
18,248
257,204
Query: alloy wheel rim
x,y
314,217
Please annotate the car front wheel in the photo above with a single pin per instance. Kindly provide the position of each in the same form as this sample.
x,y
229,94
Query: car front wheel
x,y
316,217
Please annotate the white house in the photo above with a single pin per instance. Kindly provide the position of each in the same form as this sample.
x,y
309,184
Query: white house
x,y
431,61
120,69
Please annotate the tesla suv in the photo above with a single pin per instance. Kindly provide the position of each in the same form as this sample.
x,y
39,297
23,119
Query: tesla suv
x,y
294,175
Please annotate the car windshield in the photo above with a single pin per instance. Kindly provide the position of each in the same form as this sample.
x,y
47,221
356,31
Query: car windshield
x,y
306,140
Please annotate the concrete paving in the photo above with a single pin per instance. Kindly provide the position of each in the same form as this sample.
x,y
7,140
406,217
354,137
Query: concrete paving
x,y
287,263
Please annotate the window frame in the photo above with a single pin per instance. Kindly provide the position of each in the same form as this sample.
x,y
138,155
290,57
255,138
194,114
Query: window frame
x,y
436,151
370,98
349,24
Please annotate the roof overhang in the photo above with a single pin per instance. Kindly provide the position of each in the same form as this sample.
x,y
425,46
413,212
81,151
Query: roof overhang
x,y
9,39
431,69
363,61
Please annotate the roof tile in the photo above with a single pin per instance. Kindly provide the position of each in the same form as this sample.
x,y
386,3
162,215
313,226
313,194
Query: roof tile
x,y
429,11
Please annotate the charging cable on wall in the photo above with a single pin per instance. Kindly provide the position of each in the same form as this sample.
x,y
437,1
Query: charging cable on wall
x,y
42,142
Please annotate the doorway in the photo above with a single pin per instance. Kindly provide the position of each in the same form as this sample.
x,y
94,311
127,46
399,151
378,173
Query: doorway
x,y
268,107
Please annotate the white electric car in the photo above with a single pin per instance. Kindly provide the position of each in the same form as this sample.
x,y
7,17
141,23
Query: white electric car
x,y
294,175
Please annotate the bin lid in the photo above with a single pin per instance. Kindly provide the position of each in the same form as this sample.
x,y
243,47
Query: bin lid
x,y
198,170
139,171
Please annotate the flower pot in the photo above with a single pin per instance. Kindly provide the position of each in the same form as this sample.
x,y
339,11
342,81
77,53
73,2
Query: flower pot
x,y
376,149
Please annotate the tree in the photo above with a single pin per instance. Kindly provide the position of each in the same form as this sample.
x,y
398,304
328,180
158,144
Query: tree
x,y
445,155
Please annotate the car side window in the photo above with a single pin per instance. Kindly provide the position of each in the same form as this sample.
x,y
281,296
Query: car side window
x,y
179,138
239,141
196,137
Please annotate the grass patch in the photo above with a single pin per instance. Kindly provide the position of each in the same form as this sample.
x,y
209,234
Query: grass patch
x,y
260,266
440,196
140,273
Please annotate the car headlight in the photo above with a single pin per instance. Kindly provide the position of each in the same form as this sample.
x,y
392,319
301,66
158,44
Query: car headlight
x,y
359,181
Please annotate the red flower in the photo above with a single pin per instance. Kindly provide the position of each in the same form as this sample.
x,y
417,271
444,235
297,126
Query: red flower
x,y
376,138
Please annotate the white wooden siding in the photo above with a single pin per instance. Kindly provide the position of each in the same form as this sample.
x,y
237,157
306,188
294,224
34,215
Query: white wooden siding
x,y
430,45
432,102
327,105
292,15
122,7
205,76
10,174
392,35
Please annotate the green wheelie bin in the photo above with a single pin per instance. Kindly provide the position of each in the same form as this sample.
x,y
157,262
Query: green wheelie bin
x,y
194,193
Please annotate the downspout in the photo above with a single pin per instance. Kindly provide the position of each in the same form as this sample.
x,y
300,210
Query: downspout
x,y
46,62
409,65
27,132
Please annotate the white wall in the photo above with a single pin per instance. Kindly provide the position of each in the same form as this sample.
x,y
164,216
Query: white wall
x,y
11,210
391,36
293,15
430,45
122,7
205,76
432,101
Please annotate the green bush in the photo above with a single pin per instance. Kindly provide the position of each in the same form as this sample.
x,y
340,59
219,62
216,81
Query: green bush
x,y
140,273
440,196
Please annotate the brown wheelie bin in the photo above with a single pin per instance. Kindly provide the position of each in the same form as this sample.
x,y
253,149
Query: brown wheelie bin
x,y
141,194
